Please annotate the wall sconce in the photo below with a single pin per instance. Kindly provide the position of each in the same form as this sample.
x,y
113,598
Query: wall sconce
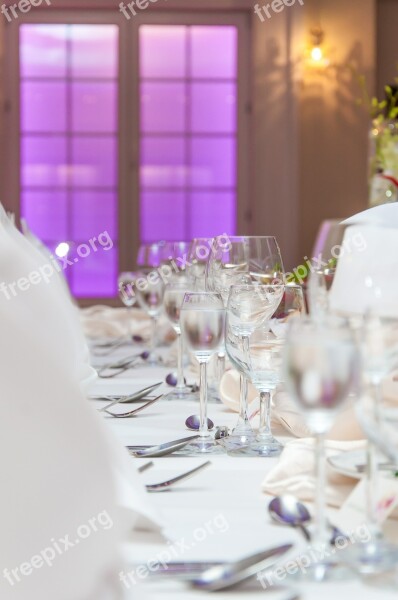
x,y
316,54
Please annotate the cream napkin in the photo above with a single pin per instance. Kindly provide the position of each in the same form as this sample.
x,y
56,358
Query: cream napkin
x,y
294,473
106,322
286,413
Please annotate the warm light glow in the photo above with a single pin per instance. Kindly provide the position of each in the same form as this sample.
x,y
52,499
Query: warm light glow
x,y
62,249
317,54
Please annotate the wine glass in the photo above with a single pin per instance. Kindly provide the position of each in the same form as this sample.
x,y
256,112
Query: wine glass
x,y
321,367
197,262
175,255
379,345
202,325
126,283
249,306
150,292
264,365
173,299
243,260
150,255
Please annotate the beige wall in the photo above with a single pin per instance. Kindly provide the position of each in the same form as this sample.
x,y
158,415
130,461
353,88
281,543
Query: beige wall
x,y
333,130
309,139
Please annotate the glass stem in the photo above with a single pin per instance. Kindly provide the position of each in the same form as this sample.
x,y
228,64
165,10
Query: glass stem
x,y
154,321
220,366
244,422
372,475
180,369
265,414
203,431
321,535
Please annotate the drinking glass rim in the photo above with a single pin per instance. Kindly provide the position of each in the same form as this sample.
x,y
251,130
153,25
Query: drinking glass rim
x,y
247,237
214,295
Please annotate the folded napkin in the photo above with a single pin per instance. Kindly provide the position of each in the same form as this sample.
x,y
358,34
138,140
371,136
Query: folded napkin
x,y
71,494
385,215
106,322
29,282
367,264
294,473
286,412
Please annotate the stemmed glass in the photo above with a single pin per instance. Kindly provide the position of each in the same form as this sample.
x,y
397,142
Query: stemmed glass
x,y
321,367
150,255
175,255
379,344
202,325
249,306
197,262
150,292
173,299
238,261
126,282
264,366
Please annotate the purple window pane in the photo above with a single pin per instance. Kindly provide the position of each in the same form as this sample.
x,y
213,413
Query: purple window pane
x,y
43,164
213,162
94,51
94,107
213,108
162,51
95,273
163,107
43,106
94,162
43,50
163,162
94,213
46,214
214,52
212,213
162,216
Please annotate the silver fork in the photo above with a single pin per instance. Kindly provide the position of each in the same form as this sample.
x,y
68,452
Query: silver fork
x,y
166,485
132,413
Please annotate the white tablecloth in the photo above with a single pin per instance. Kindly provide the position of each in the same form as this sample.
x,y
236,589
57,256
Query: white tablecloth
x,y
220,514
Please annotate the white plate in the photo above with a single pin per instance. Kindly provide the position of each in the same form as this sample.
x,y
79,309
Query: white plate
x,y
346,462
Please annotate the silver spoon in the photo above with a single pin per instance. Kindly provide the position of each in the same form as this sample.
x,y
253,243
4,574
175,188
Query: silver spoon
x,y
193,423
286,509
162,449
228,575
132,398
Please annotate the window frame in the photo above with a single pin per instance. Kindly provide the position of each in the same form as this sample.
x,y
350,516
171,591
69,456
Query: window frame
x,y
129,123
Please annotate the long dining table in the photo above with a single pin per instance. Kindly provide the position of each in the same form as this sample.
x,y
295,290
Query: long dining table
x,y
218,515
